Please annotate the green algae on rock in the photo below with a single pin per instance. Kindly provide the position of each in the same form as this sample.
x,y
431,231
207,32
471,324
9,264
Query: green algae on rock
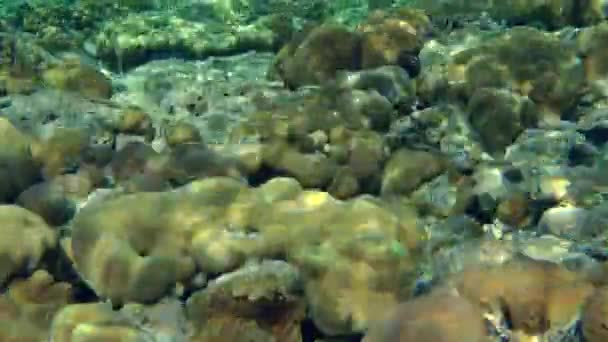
x,y
139,38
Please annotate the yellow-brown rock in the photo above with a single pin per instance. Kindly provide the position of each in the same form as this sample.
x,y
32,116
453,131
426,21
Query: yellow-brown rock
x,y
393,38
215,225
182,133
131,160
26,237
136,256
93,322
407,169
514,210
136,122
61,151
258,302
595,315
315,59
537,296
529,62
442,316
28,307
19,170
75,76
311,170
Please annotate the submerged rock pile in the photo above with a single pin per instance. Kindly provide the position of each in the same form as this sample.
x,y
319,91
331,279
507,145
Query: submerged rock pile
x,y
405,178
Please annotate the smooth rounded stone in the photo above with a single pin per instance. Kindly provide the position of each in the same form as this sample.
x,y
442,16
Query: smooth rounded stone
x,y
99,322
564,221
311,170
28,305
490,180
18,170
344,185
25,240
554,187
280,188
249,155
50,201
408,169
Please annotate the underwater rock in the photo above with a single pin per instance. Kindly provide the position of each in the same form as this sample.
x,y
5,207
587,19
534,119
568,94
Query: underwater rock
x,y
514,210
349,282
309,61
50,201
280,189
368,104
344,184
28,306
391,82
182,133
26,239
135,121
533,298
510,60
564,222
19,170
556,250
443,316
74,76
259,301
590,44
61,151
140,37
594,316
44,111
94,321
394,37
212,96
112,266
311,170
551,14
438,197
499,116
408,169
546,150
192,161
